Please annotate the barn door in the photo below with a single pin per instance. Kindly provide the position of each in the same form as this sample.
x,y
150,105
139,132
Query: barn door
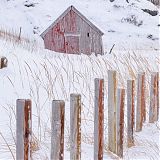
x,y
72,44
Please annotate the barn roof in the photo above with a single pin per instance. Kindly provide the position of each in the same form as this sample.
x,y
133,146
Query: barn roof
x,y
78,13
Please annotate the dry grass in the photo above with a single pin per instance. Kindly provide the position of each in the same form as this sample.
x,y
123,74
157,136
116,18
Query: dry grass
x,y
17,39
56,76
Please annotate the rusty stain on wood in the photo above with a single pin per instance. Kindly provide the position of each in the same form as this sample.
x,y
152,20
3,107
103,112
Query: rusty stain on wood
x,y
112,85
27,130
61,153
99,119
57,130
130,111
79,128
157,96
153,110
23,129
75,127
141,106
120,122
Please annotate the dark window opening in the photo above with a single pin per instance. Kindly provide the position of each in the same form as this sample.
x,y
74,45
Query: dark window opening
x,y
88,34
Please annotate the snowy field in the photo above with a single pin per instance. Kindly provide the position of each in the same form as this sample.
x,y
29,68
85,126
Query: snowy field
x,y
42,75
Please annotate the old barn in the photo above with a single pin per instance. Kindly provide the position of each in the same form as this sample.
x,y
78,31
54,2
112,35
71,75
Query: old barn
x,y
73,33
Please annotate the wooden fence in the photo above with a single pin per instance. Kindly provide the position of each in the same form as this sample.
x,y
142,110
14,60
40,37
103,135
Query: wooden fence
x,y
116,103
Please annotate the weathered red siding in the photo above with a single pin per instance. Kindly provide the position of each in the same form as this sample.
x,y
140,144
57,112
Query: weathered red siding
x,y
72,34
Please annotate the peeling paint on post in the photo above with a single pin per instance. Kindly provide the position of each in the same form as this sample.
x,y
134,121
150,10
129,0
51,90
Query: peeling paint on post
x,y
23,129
57,130
153,109
120,122
99,119
75,127
112,88
130,111
141,106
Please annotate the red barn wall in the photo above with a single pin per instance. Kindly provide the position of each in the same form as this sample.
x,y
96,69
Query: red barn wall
x,y
89,39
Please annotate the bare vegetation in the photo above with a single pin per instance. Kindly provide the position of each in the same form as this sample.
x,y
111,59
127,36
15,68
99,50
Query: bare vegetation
x,y
132,20
17,39
44,77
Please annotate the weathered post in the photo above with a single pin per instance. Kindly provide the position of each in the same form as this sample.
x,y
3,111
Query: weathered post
x,y
141,107
99,119
23,129
130,111
157,96
75,127
143,100
3,62
57,130
120,122
153,109
112,87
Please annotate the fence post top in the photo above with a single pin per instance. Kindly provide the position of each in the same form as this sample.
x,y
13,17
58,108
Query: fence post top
x,y
58,101
130,80
154,73
120,89
23,100
75,95
141,73
112,71
98,79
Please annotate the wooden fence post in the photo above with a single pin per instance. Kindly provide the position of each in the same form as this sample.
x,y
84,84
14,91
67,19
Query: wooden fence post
x,y
130,111
120,122
99,119
57,130
75,127
143,101
157,96
153,109
3,62
141,106
23,129
112,88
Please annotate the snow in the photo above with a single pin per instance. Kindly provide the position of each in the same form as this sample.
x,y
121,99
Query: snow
x,y
43,75
104,14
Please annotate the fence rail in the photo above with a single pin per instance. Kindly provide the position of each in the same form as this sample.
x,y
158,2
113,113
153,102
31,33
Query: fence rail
x,y
116,103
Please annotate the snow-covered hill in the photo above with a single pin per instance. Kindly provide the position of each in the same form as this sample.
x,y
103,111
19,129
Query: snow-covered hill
x,y
125,24
42,75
